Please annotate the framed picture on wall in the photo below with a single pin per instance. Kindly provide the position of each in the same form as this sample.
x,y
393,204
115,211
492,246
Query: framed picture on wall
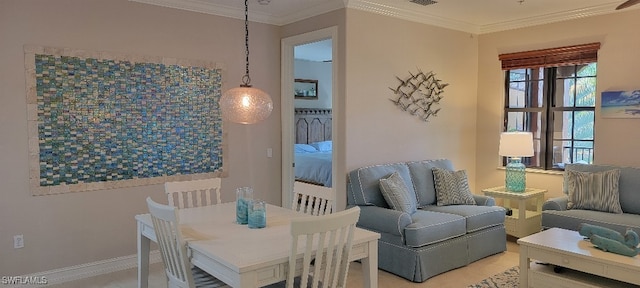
x,y
620,104
306,89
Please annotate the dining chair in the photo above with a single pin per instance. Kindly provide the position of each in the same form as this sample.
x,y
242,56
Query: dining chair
x,y
193,193
332,231
312,199
180,273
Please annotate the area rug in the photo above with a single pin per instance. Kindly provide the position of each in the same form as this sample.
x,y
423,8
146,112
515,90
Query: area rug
x,y
510,278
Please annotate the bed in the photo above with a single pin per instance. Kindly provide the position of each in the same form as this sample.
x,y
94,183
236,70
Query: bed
x,y
313,147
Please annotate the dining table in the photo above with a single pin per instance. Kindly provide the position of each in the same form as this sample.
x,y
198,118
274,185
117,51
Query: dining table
x,y
241,256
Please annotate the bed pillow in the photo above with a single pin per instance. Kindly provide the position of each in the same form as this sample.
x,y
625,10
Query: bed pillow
x,y
323,146
452,187
594,190
304,148
397,195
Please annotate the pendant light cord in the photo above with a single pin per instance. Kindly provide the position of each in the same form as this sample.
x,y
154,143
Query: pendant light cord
x,y
246,79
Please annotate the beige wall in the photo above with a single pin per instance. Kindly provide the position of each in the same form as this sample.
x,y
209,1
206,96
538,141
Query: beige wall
x,y
71,229
617,140
380,48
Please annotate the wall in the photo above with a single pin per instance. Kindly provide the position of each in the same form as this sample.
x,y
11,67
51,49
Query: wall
x,y
71,229
321,71
616,140
379,48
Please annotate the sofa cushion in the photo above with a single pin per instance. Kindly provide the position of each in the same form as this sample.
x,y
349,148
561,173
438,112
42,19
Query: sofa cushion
x,y
627,186
422,178
452,187
430,227
364,183
594,190
395,191
570,219
476,217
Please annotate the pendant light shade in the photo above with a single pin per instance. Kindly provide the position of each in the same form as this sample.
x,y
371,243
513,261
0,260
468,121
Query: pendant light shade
x,y
245,105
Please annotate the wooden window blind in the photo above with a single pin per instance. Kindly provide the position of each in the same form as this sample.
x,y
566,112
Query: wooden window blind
x,y
569,55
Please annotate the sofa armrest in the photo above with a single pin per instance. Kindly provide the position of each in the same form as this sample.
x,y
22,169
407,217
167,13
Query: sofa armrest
x,y
482,200
557,203
383,220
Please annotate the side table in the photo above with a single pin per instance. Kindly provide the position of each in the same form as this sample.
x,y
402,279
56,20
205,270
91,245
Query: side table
x,y
523,221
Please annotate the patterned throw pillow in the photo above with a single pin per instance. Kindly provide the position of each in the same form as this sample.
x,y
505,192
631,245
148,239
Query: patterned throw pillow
x,y
594,190
452,187
395,191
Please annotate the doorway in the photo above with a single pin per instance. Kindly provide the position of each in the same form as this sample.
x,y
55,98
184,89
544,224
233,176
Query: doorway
x,y
288,100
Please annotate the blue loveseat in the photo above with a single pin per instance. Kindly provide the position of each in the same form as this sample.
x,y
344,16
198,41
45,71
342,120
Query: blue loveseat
x,y
556,214
434,239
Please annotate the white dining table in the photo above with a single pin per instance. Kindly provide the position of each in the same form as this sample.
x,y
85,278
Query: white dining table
x,y
244,257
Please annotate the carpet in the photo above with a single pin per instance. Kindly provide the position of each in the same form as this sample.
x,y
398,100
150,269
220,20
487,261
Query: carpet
x,y
510,278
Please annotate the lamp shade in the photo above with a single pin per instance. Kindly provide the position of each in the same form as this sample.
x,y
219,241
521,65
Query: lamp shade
x,y
516,144
245,105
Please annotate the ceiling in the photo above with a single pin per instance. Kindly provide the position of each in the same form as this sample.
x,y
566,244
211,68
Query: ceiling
x,y
473,16
319,51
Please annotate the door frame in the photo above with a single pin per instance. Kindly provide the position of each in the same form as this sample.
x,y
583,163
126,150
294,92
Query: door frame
x,y
287,104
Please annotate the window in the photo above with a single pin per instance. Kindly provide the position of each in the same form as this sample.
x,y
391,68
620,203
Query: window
x,y
551,93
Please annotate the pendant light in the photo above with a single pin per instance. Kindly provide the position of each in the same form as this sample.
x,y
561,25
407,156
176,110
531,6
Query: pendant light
x,y
244,104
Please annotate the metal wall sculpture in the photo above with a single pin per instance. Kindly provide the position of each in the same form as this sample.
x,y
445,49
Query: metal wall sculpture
x,y
104,120
417,94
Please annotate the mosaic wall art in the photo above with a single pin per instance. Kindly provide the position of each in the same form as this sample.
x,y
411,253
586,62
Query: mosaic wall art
x,y
103,120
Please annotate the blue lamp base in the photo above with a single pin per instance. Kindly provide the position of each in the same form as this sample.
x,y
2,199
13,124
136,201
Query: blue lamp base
x,y
515,178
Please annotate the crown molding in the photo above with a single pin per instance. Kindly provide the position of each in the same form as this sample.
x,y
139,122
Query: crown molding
x,y
549,18
450,23
413,16
207,7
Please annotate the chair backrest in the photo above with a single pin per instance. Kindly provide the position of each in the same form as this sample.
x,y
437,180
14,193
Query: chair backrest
x,y
334,232
172,247
312,199
193,193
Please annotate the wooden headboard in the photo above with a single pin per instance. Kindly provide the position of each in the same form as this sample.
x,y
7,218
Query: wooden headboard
x,y
312,125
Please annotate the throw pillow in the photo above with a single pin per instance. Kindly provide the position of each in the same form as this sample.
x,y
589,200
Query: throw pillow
x,y
395,191
594,190
452,187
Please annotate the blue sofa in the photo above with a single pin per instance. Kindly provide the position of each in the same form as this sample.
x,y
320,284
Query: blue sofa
x,y
434,239
556,214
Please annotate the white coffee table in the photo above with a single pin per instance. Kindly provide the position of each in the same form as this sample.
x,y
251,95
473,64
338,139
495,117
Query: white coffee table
x,y
588,266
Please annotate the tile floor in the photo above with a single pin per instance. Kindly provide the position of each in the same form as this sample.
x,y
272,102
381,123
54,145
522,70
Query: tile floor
x,y
458,278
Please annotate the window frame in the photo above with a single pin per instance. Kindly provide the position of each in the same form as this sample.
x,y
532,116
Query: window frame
x,y
549,60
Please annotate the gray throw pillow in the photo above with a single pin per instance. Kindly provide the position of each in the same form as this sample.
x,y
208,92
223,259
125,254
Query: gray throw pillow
x,y
452,187
395,191
594,190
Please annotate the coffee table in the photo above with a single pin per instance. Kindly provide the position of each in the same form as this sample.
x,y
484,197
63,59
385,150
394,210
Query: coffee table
x,y
587,266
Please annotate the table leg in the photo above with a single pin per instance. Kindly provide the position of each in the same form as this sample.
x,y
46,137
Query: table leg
x,y
524,267
370,266
143,258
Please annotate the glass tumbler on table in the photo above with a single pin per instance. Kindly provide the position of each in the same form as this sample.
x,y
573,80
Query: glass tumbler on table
x,y
244,197
257,214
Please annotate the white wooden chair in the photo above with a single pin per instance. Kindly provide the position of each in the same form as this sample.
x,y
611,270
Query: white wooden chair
x,y
312,199
333,231
173,249
193,193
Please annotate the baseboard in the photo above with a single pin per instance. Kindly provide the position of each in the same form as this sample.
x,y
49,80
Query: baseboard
x,y
86,270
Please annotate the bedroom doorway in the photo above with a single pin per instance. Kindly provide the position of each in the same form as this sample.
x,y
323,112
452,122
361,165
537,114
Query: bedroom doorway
x,y
308,85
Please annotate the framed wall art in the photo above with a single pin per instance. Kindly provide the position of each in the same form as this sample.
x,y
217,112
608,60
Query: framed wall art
x,y
101,120
620,104
306,89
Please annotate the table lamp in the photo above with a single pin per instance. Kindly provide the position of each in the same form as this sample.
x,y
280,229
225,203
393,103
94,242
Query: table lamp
x,y
516,145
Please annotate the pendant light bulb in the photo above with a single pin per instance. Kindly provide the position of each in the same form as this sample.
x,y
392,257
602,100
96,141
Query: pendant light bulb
x,y
245,105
